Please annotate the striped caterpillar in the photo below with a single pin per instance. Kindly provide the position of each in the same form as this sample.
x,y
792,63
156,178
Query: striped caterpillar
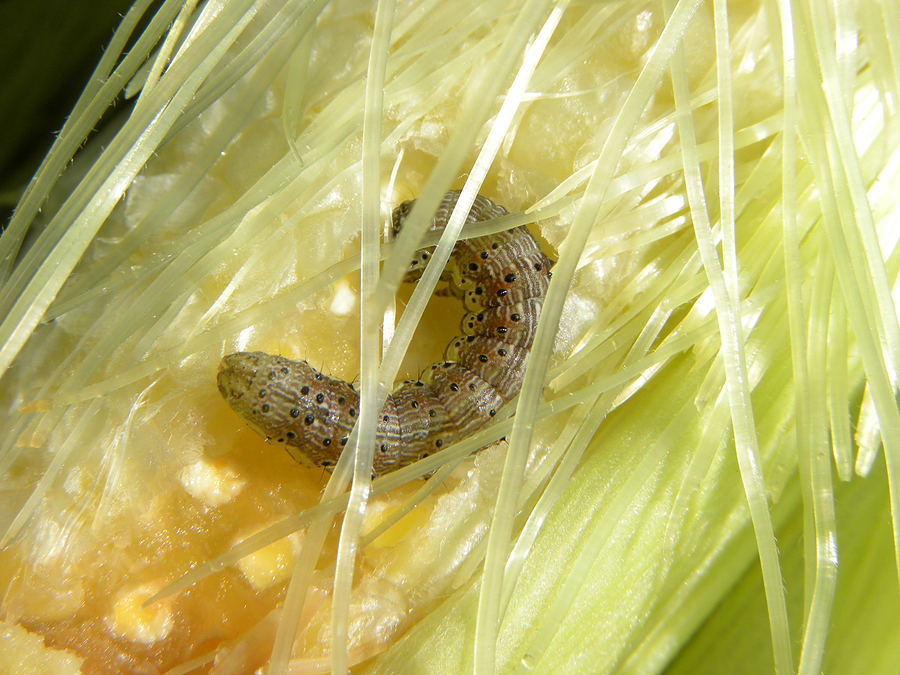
x,y
502,280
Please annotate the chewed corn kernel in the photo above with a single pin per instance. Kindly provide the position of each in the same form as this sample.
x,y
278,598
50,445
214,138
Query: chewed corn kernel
x,y
269,565
210,483
140,624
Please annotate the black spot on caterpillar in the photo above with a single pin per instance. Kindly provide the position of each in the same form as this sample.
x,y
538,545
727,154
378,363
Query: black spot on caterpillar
x,y
502,280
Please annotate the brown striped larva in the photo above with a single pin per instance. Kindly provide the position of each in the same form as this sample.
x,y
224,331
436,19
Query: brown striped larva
x,y
502,280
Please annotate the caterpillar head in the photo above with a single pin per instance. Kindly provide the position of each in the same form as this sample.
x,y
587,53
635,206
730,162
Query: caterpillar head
x,y
290,402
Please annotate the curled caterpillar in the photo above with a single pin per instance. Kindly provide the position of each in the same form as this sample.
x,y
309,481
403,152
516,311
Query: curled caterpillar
x,y
502,280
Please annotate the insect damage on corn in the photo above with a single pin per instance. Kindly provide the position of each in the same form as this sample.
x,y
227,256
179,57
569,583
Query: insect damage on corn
x,y
502,280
